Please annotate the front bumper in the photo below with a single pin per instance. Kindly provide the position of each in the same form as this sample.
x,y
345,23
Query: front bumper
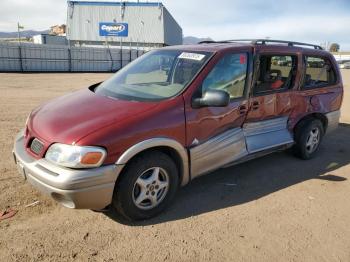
x,y
73,188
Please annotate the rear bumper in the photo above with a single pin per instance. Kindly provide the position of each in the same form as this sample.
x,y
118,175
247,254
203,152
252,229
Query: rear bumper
x,y
333,120
84,188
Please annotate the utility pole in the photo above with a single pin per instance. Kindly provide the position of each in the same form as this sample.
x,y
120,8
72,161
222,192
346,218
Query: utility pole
x,y
142,34
19,27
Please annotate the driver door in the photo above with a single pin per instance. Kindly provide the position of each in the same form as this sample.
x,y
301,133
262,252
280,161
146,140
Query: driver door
x,y
214,134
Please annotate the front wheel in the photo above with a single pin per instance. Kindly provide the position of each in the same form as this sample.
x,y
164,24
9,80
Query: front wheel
x,y
308,138
147,186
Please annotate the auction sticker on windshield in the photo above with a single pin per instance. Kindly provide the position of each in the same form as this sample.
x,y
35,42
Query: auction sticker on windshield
x,y
192,56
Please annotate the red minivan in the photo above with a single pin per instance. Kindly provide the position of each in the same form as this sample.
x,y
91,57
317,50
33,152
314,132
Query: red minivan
x,y
175,114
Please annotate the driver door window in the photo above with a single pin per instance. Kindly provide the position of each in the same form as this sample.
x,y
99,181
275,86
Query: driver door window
x,y
229,74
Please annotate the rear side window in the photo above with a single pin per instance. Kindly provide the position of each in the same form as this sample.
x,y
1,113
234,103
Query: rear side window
x,y
319,72
282,63
275,73
229,74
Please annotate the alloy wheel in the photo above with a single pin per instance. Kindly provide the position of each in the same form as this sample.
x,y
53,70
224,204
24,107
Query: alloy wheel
x,y
150,188
313,140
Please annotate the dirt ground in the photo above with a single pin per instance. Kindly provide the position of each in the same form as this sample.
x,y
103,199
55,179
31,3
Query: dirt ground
x,y
276,208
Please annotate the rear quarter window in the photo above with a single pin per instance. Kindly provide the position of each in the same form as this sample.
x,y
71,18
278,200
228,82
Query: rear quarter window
x,y
319,72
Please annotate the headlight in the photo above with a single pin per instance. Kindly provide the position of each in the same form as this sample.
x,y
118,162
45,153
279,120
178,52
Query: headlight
x,y
27,120
26,126
76,156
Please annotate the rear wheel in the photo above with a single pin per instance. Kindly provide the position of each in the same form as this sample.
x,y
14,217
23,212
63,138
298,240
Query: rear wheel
x,y
147,186
308,138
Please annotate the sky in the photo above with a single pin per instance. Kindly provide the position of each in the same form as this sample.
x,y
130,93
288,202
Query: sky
x,y
298,20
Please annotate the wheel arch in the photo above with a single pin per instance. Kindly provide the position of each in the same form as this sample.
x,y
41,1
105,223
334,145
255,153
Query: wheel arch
x,y
166,145
320,116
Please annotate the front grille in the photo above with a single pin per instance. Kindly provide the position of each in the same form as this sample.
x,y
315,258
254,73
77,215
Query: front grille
x,y
36,146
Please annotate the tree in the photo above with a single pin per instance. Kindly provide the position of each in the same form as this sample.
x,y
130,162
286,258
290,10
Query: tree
x,y
334,47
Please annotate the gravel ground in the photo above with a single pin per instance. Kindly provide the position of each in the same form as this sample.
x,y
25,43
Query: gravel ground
x,y
276,208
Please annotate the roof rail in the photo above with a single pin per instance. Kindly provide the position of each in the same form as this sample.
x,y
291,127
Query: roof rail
x,y
213,42
207,42
264,41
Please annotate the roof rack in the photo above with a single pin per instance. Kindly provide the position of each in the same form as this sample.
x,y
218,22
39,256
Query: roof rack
x,y
213,42
264,42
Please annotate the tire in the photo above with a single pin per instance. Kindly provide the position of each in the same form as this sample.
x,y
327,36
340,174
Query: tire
x,y
308,137
152,177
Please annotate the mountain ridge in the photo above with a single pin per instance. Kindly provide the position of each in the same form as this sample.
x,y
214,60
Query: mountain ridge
x,y
187,40
24,33
190,40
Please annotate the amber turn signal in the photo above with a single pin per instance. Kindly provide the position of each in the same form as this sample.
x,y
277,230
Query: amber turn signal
x,y
91,158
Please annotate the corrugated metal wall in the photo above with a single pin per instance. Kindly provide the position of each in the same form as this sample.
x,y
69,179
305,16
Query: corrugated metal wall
x,y
173,32
45,58
148,22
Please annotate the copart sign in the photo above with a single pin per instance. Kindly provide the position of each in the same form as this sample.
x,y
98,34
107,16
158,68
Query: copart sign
x,y
113,29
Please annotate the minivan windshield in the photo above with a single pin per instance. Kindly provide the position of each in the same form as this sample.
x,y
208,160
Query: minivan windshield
x,y
157,75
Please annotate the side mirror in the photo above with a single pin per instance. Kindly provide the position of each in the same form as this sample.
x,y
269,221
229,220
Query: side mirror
x,y
215,98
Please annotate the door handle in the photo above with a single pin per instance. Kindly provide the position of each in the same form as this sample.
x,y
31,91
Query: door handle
x,y
255,105
242,110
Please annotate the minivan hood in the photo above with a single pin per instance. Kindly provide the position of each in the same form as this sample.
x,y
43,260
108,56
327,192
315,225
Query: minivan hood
x,y
69,118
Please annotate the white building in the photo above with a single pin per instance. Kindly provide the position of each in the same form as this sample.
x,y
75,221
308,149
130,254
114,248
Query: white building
x,y
46,39
129,23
